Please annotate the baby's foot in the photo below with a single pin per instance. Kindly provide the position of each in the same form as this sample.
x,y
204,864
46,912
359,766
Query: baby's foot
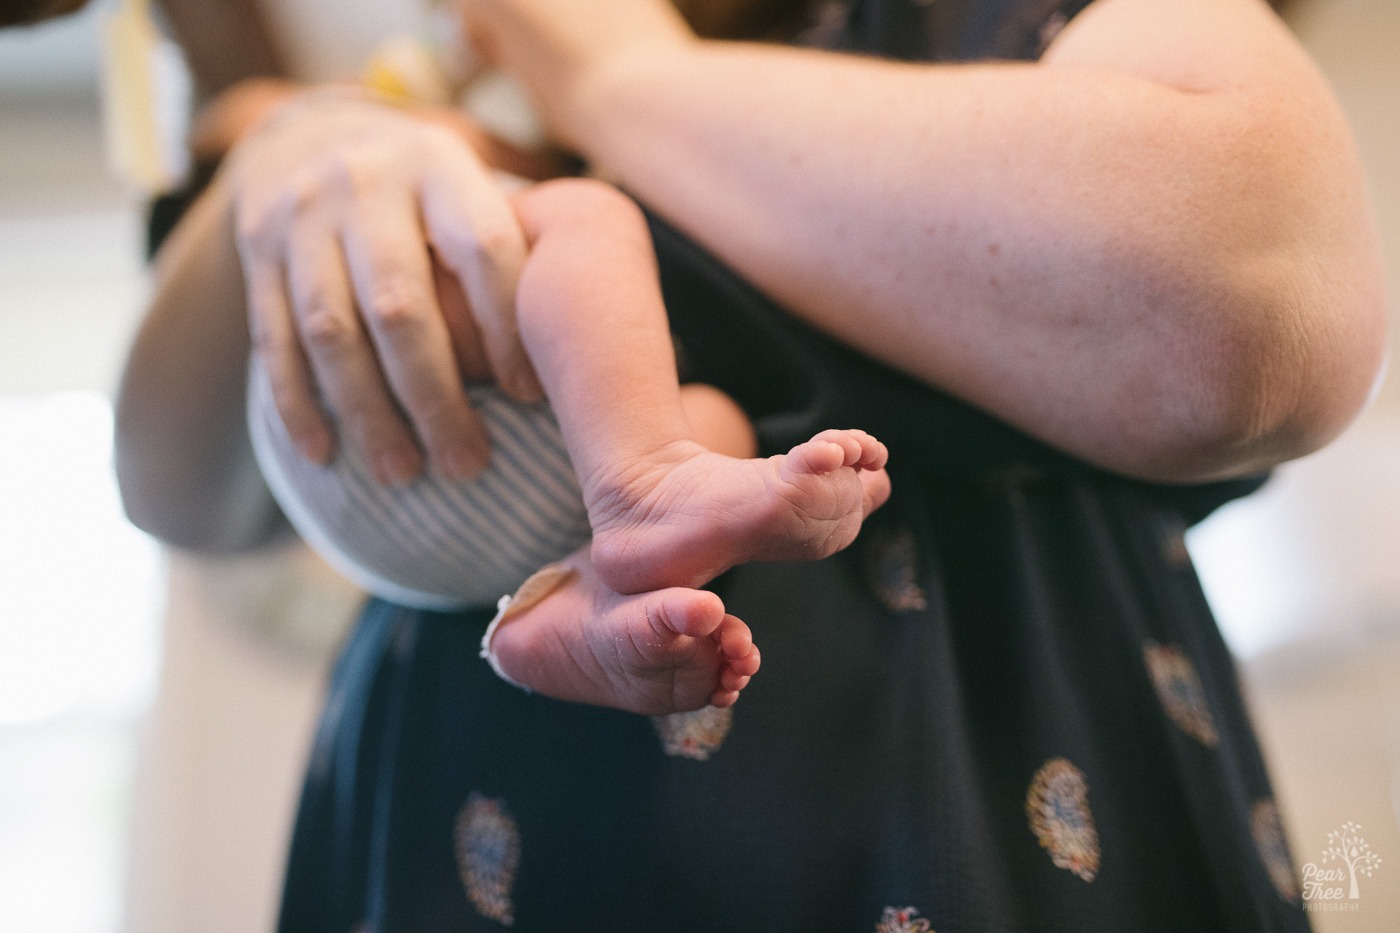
x,y
686,515
654,653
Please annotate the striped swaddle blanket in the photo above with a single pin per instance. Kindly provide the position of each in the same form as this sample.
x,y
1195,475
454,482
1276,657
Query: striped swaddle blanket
x,y
432,544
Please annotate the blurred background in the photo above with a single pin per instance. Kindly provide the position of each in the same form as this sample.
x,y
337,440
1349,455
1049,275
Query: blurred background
x,y
155,709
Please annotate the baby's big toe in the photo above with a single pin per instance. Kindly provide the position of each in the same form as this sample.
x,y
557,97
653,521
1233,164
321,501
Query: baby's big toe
x,y
823,454
697,613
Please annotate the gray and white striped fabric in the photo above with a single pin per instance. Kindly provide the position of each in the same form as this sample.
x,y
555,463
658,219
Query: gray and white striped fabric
x,y
432,544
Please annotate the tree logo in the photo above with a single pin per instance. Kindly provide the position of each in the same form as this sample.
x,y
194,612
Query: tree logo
x,y
1335,884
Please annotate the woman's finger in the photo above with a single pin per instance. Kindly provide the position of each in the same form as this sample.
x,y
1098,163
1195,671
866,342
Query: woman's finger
x,y
391,271
342,360
477,236
278,349
466,337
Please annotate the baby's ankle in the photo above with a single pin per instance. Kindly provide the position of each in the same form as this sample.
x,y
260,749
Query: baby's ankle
x,y
622,484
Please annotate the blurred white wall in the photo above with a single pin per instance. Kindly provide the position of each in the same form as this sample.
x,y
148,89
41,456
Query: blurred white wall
x,y
53,61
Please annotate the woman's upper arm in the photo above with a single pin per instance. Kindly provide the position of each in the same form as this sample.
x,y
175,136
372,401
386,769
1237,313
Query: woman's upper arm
x,y
1152,250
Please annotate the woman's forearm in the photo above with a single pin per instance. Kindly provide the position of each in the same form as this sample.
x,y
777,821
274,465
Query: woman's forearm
x,y
1151,250
184,462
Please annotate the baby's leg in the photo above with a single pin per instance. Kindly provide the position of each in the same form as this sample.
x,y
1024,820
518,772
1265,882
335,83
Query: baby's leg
x,y
656,653
665,510
716,421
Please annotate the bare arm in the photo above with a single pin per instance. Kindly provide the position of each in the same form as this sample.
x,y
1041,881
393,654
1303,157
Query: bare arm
x,y
1152,249
184,462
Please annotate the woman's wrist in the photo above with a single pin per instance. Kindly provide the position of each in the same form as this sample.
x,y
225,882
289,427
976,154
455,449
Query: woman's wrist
x,y
616,98
233,114
584,74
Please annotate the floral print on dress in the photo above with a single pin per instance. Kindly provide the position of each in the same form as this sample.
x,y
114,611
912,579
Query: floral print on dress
x,y
892,570
1180,691
695,735
1267,829
487,843
902,920
1057,805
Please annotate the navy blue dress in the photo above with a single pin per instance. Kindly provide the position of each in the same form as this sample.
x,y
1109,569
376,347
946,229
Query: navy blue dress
x,y
1005,707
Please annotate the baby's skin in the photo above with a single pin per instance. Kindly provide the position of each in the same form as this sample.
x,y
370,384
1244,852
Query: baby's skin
x,y
673,492
685,514
629,630
655,653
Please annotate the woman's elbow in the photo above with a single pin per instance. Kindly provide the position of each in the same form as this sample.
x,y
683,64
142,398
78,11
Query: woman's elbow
x,y
1332,371
1285,375
1281,291
239,515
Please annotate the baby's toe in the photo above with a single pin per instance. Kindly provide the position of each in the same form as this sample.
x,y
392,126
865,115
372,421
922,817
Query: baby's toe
x,y
731,681
736,639
723,699
875,489
849,441
873,454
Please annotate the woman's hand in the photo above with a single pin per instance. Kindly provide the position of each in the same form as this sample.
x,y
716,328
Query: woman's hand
x,y
350,217
558,49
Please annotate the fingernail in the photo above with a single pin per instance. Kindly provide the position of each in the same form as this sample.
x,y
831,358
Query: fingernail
x,y
463,461
316,446
396,467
